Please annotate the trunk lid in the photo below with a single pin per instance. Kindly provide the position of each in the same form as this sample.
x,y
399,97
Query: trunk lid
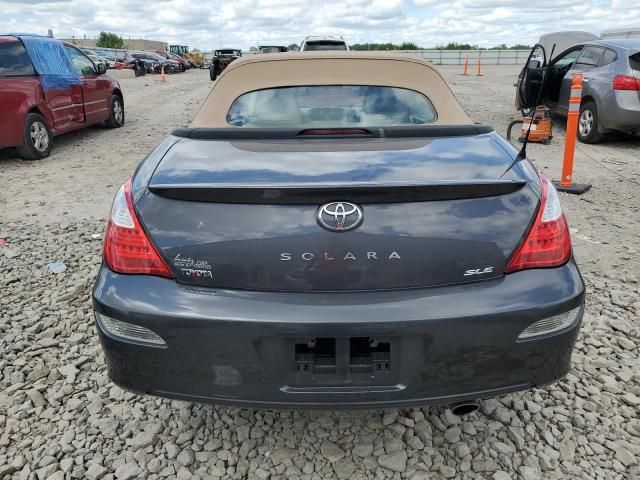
x,y
243,214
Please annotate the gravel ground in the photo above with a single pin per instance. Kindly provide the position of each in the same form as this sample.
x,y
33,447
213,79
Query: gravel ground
x,y
60,417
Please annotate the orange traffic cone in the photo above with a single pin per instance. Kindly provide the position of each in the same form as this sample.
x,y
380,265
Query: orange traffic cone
x,y
479,57
466,64
566,181
163,77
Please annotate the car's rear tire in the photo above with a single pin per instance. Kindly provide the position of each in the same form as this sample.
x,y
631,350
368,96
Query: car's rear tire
x,y
212,74
116,113
37,138
588,123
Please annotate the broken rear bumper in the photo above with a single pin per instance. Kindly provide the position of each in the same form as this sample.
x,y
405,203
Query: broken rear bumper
x,y
243,348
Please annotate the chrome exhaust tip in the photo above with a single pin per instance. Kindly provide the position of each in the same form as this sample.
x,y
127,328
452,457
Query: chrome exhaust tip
x,y
464,408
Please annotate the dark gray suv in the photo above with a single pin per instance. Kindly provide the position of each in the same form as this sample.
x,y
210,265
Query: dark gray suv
x,y
611,91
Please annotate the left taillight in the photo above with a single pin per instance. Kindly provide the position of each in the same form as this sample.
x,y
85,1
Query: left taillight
x,y
548,242
127,249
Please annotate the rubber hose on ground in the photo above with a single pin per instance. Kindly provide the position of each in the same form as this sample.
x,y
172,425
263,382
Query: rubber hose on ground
x,y
515,122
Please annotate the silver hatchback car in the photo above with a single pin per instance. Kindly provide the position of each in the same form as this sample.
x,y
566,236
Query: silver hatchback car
x,y
611,89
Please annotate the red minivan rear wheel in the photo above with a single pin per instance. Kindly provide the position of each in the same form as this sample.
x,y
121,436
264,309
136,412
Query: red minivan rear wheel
x,y
37,139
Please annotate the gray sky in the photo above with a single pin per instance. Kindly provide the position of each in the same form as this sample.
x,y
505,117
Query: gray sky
x,y
244,23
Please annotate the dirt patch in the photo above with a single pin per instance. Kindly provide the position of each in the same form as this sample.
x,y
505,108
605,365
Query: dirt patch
x,y
86,167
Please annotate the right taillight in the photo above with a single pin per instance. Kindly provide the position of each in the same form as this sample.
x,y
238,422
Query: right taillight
x,y
548,243
626,82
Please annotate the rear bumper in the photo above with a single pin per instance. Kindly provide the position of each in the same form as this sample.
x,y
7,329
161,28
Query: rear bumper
x,y
623,112
448,344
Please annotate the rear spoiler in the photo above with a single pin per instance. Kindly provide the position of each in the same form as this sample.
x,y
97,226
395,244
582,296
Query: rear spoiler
x,y
314,193
420,131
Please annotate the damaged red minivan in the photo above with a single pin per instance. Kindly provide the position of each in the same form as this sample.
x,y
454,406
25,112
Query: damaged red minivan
x,y
48,88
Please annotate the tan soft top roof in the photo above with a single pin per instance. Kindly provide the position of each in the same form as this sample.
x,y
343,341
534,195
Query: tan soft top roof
x,y
258,72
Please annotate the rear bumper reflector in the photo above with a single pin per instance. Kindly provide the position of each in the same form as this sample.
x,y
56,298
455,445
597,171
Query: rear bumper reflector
x,y
128,331
550,324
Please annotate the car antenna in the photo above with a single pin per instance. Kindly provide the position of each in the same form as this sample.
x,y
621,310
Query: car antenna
x,y
522,154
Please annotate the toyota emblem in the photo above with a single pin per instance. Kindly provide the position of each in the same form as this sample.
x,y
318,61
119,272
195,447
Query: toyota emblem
x,y
339,216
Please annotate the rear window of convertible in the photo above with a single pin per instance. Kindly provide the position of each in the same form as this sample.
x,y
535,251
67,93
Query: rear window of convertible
x,y
331,106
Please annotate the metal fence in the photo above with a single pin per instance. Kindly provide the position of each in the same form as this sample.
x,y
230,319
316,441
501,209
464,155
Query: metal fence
x,y
457,57
488,57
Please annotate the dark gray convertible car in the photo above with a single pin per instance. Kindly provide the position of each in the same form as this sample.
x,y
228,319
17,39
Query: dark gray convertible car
x,y
333,231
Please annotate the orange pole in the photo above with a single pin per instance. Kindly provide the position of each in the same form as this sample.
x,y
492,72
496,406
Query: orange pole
x,y
572,130
466,64
479,56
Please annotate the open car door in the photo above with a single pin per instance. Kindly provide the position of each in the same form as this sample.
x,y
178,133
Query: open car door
x,y
530,79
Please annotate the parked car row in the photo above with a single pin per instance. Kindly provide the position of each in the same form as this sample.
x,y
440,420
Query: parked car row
x,y
149,62
47,88
142,62
186,63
